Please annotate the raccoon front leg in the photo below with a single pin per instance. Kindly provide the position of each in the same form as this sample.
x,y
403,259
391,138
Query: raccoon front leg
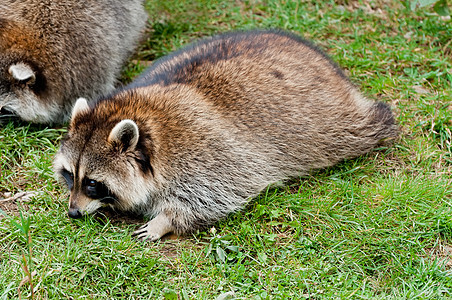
x,y
154,229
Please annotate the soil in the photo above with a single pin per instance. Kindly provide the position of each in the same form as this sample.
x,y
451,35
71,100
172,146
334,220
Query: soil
x,y
12,204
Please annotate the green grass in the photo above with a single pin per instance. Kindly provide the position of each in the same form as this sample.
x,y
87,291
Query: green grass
x,y
376,227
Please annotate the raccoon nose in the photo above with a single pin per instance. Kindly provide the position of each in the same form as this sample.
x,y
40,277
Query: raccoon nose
x,y
74,213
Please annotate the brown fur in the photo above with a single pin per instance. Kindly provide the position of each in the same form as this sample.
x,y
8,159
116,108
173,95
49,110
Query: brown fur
x,y
218,121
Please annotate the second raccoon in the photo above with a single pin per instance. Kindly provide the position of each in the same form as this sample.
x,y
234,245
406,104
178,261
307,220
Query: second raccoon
x,y
55,51
210,126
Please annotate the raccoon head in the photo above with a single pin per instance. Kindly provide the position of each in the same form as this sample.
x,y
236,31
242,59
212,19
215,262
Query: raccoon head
x,y
102,163
22,88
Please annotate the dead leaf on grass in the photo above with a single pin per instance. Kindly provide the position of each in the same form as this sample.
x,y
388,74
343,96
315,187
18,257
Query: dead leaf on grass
x,y
420,89
9,203
408,35
23,196
26,279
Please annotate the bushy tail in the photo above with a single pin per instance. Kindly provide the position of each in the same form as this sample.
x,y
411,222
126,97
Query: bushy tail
x,y
375,127
383,122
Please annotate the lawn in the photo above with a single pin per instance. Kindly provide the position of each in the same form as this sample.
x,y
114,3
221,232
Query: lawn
x,y
375,227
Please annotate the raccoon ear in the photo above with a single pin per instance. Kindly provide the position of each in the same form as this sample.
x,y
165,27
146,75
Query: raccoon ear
x,y
22,72
125,134
81,105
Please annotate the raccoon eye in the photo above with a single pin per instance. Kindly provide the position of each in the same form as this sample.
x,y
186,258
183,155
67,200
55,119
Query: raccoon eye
x,y
92,183
69,177
95,189
91,188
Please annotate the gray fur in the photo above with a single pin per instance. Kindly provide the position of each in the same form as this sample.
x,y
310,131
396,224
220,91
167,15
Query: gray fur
x,y
73,49
218,122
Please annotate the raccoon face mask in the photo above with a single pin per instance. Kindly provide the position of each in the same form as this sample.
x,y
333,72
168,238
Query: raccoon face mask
x,y
88,173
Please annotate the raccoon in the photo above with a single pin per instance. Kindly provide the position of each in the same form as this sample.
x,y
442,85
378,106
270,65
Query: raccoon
x,y
210,126
55,51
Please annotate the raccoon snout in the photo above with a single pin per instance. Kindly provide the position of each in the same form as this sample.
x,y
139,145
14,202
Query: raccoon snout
x,y
74,213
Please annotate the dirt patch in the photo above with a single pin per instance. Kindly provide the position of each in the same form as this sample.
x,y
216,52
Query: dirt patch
x,y
169,250
13,204
442,254
106,213
9,208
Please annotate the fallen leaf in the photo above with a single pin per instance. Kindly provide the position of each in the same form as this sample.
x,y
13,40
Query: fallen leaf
x,y
420,90
26,279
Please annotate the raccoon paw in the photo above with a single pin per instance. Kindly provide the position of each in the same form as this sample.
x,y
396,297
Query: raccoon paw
x,y
154,229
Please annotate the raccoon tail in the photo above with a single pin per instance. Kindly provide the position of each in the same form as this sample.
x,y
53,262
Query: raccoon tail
x,y
382,122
